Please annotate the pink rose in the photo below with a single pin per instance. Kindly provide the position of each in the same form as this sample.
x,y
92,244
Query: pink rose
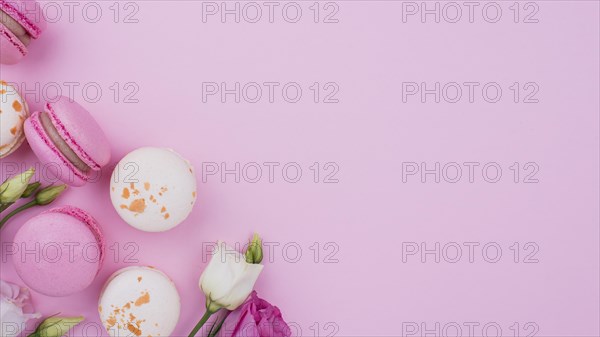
x,y
255,318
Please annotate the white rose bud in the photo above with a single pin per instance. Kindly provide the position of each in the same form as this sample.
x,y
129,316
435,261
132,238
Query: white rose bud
x,y
228,279
55,326
12,189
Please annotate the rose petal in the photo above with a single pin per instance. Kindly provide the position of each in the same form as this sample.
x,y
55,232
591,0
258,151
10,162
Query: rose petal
x,y
256,318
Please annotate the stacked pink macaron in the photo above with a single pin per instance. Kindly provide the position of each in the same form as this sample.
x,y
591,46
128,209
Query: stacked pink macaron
x,y
67,135
20,21
70,143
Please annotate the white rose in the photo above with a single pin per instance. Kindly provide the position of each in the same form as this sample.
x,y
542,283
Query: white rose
x,y
14,303
228,279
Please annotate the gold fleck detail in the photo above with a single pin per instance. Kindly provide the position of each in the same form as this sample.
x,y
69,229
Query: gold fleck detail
x,y
17,106
138,205
134,330
144,299
110,322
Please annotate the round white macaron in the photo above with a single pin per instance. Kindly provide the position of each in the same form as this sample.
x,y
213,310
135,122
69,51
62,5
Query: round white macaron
x,y
13,112
153,189
139,301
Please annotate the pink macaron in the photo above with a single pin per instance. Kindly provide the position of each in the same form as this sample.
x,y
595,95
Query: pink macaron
x,y
20,22
59,252
68,140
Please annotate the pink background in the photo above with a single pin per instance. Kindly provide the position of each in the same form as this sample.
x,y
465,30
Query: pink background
x,y
370,212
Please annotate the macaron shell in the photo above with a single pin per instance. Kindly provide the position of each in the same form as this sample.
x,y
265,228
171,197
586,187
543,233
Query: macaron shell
x,y
63,256
87,219
13,112
153,189
28,13
139,301
81,131
49,155
12,50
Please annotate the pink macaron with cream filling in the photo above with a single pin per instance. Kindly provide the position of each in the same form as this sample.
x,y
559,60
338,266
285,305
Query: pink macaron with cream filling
x,y
68,137
59,252
21,21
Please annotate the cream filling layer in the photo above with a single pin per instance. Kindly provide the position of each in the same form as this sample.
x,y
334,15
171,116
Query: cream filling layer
x,y
61,144
15,28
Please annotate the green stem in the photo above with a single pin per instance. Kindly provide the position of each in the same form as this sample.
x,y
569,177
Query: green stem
x,y
203,320
3,207
218,327
21,208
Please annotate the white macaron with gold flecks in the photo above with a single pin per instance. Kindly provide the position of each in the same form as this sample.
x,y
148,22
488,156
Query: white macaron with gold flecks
x,y
153,189
13,112
139,301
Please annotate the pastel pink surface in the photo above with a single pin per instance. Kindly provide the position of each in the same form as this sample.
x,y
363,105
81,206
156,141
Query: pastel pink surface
x,y
54,162
354,281
75,255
